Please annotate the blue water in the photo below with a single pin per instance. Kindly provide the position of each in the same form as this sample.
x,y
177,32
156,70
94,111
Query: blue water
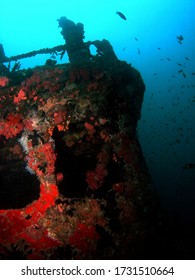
x,y
147,40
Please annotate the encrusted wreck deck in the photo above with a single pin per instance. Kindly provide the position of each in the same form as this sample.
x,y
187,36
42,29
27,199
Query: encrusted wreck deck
x,y
74,180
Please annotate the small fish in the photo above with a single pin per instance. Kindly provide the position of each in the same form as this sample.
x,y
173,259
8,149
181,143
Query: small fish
x,y
189,166
180,71
158,48
138,50
121,15
124,49
136,39
184,74
193,73
168,59
155,74
179,64
187,58
180,39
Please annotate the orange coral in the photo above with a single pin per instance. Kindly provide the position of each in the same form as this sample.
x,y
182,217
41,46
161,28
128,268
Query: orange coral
x,y
21,96
3,81
89,126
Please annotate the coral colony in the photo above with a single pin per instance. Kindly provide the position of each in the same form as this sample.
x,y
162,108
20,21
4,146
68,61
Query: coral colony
x,y
68,131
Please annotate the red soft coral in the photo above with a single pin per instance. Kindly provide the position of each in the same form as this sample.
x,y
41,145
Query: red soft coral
x,y
11,126
95,179
83,237
42,159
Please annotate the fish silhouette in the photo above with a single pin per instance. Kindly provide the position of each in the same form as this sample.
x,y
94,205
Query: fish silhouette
x,y
189,166
180,39
121,15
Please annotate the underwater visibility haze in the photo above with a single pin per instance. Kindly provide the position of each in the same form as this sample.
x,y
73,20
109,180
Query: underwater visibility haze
x,y
158,39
